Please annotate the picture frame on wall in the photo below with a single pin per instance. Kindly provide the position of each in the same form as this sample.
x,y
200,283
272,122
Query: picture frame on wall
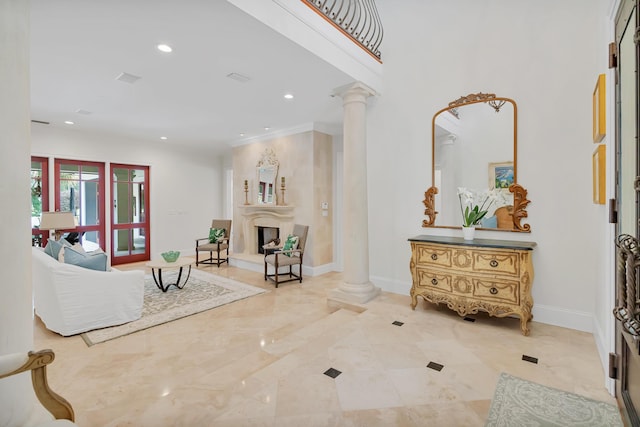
x,y
501,175
599,174
599,110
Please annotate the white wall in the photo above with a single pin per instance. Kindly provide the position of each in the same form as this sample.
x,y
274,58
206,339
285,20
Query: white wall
x,y
186,186
546,56
298,22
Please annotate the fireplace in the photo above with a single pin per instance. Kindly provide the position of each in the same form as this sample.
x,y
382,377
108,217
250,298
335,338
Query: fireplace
x,y
255,218
266,235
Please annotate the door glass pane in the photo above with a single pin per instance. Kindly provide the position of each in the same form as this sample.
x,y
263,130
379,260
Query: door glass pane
x,y
627,159
36,193
142,209
137,203
70,197
89,203
121,242
121,211
90,240
69,171
137,175
138,241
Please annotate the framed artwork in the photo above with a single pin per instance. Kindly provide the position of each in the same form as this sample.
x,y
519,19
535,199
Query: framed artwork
x,y
500,175
599,104
599,174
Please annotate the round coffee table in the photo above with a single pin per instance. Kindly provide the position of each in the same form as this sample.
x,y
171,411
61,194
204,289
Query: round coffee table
x,y
180,263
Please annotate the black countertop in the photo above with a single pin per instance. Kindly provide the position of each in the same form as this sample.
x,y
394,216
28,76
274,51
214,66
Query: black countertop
x,y
491,243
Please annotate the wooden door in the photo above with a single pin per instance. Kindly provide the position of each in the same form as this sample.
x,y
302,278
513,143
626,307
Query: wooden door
x,y
626,86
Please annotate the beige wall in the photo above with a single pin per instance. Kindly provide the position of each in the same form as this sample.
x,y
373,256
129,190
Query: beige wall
x,y
306,163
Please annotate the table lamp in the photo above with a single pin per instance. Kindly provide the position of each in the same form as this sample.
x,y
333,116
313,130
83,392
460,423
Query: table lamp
x,y
57,221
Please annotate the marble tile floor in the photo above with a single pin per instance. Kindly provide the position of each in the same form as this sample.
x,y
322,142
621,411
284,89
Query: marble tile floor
x,y
261,362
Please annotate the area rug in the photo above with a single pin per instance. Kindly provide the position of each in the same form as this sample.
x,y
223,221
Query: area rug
x,y
202,292
518,402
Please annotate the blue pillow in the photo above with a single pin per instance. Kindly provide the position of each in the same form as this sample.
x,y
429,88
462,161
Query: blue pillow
x,y
53,247
491,222
96,260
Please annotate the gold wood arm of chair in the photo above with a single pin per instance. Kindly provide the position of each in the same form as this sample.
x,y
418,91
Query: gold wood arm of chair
x,y
37,363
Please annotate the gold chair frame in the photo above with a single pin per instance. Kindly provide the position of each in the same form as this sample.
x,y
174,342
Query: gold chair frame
x,y
37,363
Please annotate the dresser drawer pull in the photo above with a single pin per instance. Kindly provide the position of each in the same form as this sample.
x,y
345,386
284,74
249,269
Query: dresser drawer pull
x,y
434,257
493,291
493,263
434,281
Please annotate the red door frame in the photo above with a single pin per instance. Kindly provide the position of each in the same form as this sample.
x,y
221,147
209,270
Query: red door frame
x,y
145,225
100,197
44,185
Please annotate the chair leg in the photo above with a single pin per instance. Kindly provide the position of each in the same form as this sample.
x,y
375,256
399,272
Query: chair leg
x,y
265,270
196,256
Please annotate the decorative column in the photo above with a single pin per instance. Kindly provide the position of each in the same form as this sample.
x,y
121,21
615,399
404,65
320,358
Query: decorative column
x,y
16,312
356,287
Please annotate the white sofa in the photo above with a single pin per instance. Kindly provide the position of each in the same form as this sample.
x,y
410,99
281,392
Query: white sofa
x,y
71,299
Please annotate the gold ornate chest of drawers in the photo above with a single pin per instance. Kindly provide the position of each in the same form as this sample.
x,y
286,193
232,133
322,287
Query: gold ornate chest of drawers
x,y
477,275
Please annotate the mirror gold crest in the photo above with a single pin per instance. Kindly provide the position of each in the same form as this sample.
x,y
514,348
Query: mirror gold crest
x,y
475,164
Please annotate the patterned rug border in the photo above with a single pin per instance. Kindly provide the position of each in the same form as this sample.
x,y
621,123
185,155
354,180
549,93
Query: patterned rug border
x,y
239,292
517,401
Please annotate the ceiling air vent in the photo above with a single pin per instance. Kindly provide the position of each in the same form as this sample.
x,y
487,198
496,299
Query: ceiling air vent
x,y
128,78
238,77
40,122
84,112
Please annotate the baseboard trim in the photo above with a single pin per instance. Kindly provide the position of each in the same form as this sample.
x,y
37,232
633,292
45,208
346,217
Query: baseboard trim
x,y
572,319
551,315
259,267
394,286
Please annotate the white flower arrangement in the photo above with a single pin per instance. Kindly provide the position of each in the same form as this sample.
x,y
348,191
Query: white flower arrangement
x,y
474,206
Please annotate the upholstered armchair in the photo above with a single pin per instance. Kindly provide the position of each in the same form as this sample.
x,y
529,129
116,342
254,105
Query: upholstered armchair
x,y
220,246
282,256
25,411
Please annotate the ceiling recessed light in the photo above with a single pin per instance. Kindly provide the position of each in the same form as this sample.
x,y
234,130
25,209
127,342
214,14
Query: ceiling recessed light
x,y
68,122
241,133
164,48
288,96
163,138
267,128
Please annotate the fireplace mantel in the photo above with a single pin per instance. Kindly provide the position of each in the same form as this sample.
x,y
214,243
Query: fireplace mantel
x,y
280,217
245,209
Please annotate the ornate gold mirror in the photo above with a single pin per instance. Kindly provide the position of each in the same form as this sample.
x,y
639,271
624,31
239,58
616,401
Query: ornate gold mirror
x,y
474,154
266,174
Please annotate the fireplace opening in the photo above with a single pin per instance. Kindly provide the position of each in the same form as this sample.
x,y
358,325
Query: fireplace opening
x,y
266,235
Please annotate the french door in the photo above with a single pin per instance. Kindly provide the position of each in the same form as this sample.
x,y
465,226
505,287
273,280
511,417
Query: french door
x,y
129,214
39,199
627,186
79,188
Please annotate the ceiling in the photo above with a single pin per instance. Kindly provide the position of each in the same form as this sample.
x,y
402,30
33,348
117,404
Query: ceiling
x,y
80,47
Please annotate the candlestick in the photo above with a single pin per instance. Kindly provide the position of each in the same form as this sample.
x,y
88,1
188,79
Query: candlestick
x,y
282,189
246,192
